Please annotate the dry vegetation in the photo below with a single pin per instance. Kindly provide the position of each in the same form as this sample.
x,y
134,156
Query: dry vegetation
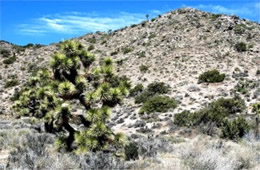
x,y
166,58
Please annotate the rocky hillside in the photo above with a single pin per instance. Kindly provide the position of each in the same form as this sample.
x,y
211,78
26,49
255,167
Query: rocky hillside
x,y
174,48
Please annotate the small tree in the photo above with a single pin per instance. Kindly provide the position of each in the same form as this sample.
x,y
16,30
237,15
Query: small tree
x,y
212,76
147,17
50,95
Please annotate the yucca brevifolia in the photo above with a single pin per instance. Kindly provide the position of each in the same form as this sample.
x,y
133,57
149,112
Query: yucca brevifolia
x,y
49,95
256,109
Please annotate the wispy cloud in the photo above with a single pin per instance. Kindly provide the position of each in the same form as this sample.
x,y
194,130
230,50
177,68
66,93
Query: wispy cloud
x,y
225,10
244,10
76,23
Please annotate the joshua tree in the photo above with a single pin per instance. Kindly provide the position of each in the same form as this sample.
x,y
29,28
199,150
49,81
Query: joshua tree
x,y
256,109
147,17
72,79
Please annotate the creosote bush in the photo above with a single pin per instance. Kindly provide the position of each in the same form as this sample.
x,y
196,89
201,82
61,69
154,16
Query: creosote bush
x,y
158,104
9,60
218,113
155,88
143,68
11,83
235,129
49,95
139,88
212,76
131,151
240,47
5,53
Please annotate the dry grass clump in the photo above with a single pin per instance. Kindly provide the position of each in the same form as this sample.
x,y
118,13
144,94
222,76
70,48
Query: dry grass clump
x,y
206,153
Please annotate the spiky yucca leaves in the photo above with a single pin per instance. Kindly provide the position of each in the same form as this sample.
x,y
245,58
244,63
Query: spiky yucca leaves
x,y
48,96
256,108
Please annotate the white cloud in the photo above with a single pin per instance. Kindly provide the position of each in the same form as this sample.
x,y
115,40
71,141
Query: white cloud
x,y
155,11
76,23
246,10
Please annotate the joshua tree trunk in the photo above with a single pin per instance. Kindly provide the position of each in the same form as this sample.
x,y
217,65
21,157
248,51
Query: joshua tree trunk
x,y
257,127
71,137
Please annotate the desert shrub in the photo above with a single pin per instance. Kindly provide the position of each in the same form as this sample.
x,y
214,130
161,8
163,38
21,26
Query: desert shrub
x,y
158,88
153,35
240,47
91,47
183,118
29,45
47,97
11,83
211,76
152,89
5,53
240,28
213,17
235,129
38,45
141,54
133,25
231,105
256,108
143,68
92,40
131,151
136,90
114,53
218,110
9,60
158,104
143,97
216,113
126,50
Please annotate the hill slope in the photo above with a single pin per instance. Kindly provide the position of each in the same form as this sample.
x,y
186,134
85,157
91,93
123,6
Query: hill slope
x,y
174,48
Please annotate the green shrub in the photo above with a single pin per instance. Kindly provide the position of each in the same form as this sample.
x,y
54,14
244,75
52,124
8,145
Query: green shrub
x,y
183,118
143,68
133,25
153,35
158,88
126,50
141,54
215,112
155,88
11,83
91,47
139,88
235,129
213,17
9,60
114,53
240,28
240,47
131,152
5,53
158,104
218,114
92,40
29,45
256,108
211,76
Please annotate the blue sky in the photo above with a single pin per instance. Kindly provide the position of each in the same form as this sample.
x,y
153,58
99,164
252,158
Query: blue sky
x,y
46,21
